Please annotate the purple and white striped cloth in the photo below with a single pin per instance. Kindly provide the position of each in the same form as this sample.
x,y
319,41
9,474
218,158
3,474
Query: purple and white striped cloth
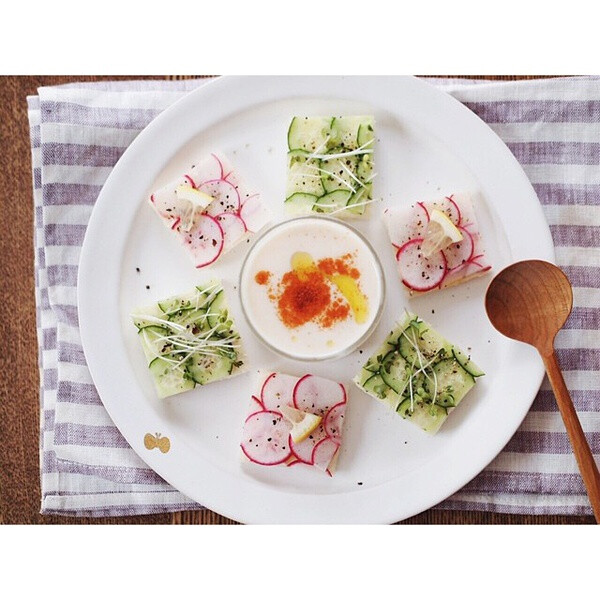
x,y
79,131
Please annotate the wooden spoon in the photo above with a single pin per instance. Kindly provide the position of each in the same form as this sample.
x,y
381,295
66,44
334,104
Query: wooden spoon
x,y
530,301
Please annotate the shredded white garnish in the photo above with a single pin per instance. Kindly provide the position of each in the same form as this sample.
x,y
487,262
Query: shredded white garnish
x,y
355,204
410,384
423,367
323,144
360,150
349,171
331,174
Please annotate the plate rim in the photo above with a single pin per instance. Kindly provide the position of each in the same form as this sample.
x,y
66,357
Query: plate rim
x,y
87,300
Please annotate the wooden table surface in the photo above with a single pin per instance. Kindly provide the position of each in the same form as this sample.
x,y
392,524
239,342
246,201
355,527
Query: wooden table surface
x,y
19,380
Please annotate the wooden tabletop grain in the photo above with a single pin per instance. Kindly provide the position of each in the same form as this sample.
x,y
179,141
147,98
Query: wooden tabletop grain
x,y
19,378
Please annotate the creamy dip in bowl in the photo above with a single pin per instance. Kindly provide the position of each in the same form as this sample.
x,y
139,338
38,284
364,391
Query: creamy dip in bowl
x,y
312,288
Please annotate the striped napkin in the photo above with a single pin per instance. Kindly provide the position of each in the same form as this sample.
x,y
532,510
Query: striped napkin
x,y
79,131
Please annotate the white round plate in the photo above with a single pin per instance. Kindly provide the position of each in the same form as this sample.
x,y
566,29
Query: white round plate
x,y
428,145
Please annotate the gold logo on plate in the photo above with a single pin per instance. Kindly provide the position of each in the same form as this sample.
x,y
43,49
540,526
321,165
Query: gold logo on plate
x,y
157,441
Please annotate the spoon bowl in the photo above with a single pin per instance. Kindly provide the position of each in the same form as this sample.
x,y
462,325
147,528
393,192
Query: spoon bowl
x,y
530,301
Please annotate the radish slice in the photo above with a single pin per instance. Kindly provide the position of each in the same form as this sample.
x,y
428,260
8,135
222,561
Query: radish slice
x,y
402,229
334,421
189,181
265,438
219,166
254,213
277,390
226,197
425,211
317,395
323,453
303,450
210,169
205,240
458,215
223,171
418,272
460,254
259,403
233,228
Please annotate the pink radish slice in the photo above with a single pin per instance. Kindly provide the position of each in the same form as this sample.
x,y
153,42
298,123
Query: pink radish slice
x,y
334,421
424,210
317,395
259,403
304,450
458,220
233,228
208,170
226,197
220,166
277,390
189,180
265,438
205,240
418,272
323,453
458,255
254,213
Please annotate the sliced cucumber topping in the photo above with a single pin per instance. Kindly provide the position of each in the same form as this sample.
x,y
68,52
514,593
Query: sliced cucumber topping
x,y
168,378
366,133
357,202
344,132
376,385
331,202
339,173
153,341
418,340
395,371
218,315
364,168
452,380
309,133
299,203
203,369
304,175
466,363
174,306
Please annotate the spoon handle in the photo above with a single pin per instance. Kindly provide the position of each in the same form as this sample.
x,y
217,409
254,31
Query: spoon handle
x,y
583,454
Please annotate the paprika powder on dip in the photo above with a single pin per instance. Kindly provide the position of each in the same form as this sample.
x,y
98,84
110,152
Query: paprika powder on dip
x,y
312,288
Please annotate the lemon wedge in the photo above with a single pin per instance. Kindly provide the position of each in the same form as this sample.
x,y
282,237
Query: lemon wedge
x,y
190,200
441,232
196,197
303,423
